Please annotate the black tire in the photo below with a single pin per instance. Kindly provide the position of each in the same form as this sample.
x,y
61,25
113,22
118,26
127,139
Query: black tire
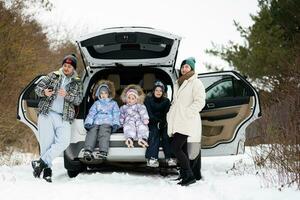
x,y
163,172
196,167
72,174
72,165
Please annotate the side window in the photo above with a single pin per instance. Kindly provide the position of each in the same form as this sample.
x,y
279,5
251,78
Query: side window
x,y
218,87
30,96
220,90
169,92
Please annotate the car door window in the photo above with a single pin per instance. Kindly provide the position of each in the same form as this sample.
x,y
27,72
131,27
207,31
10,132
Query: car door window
x,y
220,87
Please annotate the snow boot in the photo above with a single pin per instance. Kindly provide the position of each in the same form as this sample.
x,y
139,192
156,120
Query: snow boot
x,y
103,155
188,178
87,155
38,166
48,174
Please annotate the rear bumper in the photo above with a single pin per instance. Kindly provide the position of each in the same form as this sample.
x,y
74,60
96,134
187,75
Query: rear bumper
x,y
118,152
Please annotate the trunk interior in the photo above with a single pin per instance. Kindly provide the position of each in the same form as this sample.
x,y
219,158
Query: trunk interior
x,y
126,76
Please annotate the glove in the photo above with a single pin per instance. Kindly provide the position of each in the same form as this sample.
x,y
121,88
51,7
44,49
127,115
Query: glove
x,y
88,126
114,128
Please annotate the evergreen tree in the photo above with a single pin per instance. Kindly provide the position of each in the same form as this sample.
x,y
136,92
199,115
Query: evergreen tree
x,y
271,49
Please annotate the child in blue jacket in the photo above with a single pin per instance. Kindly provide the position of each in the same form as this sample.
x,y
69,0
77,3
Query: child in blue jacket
x,y
102,120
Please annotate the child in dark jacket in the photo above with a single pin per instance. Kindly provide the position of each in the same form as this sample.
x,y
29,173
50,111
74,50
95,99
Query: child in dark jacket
x,y
157,106
102,120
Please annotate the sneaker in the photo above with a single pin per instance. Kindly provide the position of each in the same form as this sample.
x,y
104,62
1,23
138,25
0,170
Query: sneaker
x,y
152,162
47,175
87,155
38,166
171,162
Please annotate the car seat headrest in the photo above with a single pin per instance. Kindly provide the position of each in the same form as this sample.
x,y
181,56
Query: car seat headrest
x,y
115,78
148,81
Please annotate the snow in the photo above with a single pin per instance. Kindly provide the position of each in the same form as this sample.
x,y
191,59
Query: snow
x,y
229,177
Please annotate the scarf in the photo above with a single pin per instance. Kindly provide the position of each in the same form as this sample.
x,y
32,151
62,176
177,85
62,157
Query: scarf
x,y
182,78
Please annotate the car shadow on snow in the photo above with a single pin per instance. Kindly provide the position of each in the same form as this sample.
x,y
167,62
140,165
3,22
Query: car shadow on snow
x,y
133,169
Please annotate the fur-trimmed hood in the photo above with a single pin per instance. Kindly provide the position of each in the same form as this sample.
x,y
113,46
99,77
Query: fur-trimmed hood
x,y
111,87
138,88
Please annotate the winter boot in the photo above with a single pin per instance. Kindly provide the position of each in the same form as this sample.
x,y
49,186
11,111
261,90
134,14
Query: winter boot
x,y
103,155
87,155
188,178
48,175
38,166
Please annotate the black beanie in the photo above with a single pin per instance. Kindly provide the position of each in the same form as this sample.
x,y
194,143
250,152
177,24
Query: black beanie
x,y
70,59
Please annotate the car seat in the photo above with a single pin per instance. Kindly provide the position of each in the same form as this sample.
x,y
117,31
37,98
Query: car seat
x,y
148,83
115,78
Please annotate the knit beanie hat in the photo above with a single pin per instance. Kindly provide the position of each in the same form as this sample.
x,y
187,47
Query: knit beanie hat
x,y
159,84
190,61
70,59
132,92
101,88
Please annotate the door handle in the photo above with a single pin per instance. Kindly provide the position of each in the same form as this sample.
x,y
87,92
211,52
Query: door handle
x,y
210,105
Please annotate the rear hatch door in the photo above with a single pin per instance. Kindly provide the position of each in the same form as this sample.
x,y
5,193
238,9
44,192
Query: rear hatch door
x,y
129,46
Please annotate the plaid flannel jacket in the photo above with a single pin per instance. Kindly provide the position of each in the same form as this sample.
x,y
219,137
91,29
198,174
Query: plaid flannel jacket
x,y
73,98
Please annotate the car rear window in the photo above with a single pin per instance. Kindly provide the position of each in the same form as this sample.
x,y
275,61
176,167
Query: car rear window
x,y
128,46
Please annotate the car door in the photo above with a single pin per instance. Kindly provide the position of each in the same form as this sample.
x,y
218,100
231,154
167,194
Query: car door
x,y
232,104
28,104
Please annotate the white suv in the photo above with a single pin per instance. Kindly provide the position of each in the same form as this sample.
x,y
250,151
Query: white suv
x,y
139,55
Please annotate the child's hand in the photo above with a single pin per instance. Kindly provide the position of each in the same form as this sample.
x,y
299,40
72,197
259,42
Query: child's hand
x,y
143,142
146,121
129,142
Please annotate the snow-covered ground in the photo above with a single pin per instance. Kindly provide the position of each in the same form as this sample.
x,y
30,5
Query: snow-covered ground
x,y
221,181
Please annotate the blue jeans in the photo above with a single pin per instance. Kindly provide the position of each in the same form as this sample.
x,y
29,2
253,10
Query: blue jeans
x,y
157,137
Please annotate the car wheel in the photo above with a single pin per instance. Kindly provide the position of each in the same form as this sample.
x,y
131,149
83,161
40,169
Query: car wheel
x,y
163,172
196,166
73,166
72,174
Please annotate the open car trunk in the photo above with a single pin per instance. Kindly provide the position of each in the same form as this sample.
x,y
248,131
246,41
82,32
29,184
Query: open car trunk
x,y
129,46
145,77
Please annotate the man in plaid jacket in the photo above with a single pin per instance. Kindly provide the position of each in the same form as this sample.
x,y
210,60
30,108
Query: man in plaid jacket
x,y
59,91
